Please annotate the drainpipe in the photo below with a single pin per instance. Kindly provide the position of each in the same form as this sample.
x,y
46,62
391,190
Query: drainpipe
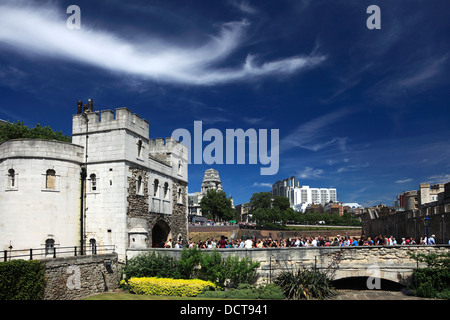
x,y
82,204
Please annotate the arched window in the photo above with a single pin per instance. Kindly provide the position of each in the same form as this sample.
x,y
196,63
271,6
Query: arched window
x,y
139,186
166,191
93,244
50,179
12,178
93,182
179,167
179,198
140,149
49,247
156,188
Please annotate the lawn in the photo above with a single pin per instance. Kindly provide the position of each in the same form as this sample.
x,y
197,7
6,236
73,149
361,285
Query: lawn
x,y
131,296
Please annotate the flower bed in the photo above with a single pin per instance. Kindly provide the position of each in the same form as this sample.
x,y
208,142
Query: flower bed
x,y
168,287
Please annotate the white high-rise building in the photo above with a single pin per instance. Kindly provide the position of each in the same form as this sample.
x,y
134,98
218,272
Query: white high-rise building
x,y
302,197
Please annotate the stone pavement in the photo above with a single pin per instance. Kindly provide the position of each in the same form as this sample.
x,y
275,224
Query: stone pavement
x,y
373,295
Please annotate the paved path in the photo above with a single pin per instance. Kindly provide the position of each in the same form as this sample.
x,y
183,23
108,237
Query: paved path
x,y
374,295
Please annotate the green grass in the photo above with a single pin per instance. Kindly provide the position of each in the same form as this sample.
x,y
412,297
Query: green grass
x,y
130,296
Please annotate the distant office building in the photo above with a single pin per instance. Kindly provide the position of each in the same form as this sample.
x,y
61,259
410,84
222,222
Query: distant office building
x,y
304,196
284,187
300,197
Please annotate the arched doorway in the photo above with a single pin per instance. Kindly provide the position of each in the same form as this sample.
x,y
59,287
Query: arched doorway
x,y
160,233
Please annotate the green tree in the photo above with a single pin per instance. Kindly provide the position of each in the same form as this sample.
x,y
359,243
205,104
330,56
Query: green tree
x,y
18,130
267,209
217,206
260,200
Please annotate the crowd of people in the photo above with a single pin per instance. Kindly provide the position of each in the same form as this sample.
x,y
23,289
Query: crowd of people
x,y
343,241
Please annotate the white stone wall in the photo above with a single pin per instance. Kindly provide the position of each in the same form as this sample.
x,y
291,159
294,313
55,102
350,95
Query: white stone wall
x,y
30,213
117,144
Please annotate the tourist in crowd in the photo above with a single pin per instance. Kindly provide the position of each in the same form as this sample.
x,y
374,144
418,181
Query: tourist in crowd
x,y
319,241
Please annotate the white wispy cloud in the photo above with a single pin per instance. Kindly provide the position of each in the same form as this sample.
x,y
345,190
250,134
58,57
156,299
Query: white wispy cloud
x,y
440,178
41,31
404,180
310,173
262,184
244,6
313,135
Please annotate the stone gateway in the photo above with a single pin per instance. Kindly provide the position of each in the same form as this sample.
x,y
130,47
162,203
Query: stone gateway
x,y
112,185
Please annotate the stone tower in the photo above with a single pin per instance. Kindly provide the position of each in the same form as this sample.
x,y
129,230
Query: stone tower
x,y
211,180
136,187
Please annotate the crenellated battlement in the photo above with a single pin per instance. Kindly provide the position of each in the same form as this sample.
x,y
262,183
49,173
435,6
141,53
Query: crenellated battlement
x,y
106,120
167,145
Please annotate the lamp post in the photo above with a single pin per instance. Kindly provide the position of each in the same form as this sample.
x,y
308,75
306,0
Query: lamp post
x,y
427,224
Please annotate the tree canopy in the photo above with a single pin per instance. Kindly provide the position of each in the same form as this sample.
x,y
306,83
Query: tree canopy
x,y
266,209
18,130
217,206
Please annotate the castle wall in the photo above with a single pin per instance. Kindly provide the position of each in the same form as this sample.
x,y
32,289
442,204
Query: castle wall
x,y
133,184
30,211
137,179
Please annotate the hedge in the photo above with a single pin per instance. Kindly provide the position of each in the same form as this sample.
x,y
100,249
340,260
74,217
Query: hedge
x,y
22,280
169,287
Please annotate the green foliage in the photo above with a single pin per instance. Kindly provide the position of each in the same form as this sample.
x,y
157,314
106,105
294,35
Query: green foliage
x,y
152,265
19,130
268,210
273,212
433,260
189,263
22,280
241,271
246,291
305,284
431,283
213,268
168,287
434,280
231,271
217,206
194,264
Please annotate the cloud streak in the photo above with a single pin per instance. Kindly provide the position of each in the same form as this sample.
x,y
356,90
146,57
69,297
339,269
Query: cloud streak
x,y
42,32
312,135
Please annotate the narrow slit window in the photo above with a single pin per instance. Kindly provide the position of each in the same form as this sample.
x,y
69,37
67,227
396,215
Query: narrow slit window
x,y
12,178
156,188
139,186
93,182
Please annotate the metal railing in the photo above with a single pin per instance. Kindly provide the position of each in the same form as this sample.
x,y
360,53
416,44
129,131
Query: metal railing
x,y
55,252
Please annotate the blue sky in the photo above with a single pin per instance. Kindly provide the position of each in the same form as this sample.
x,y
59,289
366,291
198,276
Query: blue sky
x,y
364,111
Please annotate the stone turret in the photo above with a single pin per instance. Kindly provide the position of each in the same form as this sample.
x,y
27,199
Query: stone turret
x,y
211,180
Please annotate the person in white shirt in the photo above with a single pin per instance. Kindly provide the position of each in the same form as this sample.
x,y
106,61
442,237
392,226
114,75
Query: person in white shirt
x,y
248,243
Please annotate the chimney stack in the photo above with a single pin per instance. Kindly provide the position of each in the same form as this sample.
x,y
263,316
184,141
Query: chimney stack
x,y
80,107
91,105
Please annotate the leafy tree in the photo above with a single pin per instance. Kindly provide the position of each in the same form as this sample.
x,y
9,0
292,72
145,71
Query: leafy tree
x,y
267,209
217,206
18,130
260,200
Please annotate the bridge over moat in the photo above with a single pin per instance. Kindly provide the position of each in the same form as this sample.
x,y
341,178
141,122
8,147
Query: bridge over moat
x,y
391,263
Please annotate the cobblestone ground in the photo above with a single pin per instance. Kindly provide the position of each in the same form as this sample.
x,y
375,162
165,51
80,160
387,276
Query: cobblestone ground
x,y
374,295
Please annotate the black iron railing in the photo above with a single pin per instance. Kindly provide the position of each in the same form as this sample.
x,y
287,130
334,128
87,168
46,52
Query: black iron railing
x,y
55,252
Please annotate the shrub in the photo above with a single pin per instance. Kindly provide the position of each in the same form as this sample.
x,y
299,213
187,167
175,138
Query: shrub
x,y
241,271
434,280
152,265
305,284
169,287
22,280
231,271
194,264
